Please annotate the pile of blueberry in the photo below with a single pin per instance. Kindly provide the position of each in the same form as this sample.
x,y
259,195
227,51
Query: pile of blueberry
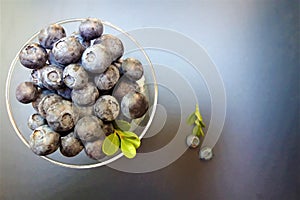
x,y
79,86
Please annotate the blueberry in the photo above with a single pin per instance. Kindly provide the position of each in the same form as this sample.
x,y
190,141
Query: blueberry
x,y
33,56
52,77
41,95
75,77
86,95
94,150
53,61
49,35
108,128
26,92
96,59
35,120
107,108
36,77
44,140
83,111
91,28
132,69
107,79
85,43
61,116
113,44
70,146
89,129
47,101
123,87
134,105
67,50
65,92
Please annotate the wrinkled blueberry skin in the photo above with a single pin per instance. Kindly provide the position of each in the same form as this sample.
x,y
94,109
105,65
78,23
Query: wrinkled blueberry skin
x,y
85,96
89,129
35,120
44,141
51,34
26,92
94,150
33,56
134,105
47,101
132,69
91,28
52,77
75,77
107,79
113,44
70,146
96,59
67,50
123,87
107,108
61,116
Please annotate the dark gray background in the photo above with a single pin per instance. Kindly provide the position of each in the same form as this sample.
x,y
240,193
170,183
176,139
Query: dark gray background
x,y
255,45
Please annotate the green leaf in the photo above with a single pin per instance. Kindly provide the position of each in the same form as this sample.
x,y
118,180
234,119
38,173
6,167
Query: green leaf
x,y
202,124
201,132
129,134
136,142
128,149
122,125
111,144
195,130
197,122
191,119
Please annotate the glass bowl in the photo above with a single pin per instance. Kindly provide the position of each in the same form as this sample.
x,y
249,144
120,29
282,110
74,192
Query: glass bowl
x,y
19,113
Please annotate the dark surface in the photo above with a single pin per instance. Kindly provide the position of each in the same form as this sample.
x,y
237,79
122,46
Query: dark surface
x,y
255,45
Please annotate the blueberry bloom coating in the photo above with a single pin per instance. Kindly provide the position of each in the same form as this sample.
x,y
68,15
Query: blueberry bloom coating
x,y
90,28
107,108
132,69
75,77
61,116
26,92
44,140
89,129
96,59
33,56
85,96
35,120
113,44
51,34
67,50
107,79
134,105
70,146
94,149
52,77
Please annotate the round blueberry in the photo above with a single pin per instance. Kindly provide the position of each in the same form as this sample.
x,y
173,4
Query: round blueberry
x,y
61,116
47,101
113,44
70,146
49,35
84,110
96,59
86,95
75,77
65,92
52,77
108,128
35,120
33,56
107,108
53,61
36,77
85,43
26,92
107,79
67,50
41,95
123,87
94,150
91,28
44,140
134,105
89,129
132,69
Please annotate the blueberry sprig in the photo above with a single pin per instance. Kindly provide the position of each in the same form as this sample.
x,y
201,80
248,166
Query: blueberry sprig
x,y
196,119
121,138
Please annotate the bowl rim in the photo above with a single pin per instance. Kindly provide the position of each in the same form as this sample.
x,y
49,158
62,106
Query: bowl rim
x,y
68,165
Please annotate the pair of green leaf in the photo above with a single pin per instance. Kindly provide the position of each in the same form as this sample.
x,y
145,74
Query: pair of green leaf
x,y
196,119
128,141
